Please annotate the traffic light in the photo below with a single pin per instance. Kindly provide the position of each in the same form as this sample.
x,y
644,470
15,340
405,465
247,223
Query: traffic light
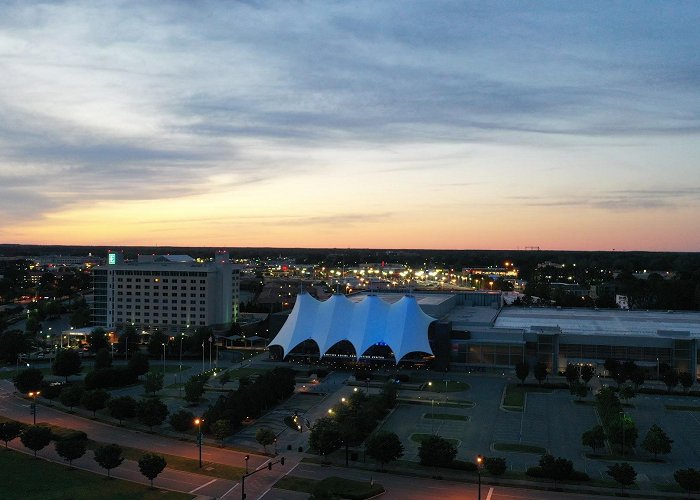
x,y
269,465
282,461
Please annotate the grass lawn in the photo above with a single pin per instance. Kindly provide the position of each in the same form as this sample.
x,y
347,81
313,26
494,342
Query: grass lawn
x,y
446,416
344,488
27,478
682,408
461,403
186,464
439,386
418,438
520,448
616,457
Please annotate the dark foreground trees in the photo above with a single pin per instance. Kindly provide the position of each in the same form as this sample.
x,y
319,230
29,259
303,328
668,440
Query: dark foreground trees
x,y
623,473
436,451
384,447
151,465
36,437
70,449
108,457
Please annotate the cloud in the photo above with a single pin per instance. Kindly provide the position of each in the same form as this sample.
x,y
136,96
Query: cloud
x,y
621,200
128,100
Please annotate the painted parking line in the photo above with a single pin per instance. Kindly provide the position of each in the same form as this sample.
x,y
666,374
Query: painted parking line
x,y
488,495
204,485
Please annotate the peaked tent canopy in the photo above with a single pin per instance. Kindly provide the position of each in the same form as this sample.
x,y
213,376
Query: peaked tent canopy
x,y
403,325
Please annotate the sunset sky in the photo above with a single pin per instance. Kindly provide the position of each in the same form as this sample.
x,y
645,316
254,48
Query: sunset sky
x,y
563,125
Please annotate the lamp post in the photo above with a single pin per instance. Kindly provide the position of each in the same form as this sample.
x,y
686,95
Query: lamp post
x,y
246,458
33,395
479,463
198,423
622,427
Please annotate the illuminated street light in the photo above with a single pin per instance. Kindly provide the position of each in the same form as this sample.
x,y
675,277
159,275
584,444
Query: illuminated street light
x,y
33,395
198,423
479,465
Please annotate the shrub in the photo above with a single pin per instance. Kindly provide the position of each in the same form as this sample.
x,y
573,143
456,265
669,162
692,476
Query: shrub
x,y
437,452
463,465
182,421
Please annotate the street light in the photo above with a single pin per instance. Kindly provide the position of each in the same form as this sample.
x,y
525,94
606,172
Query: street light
x,y
622,427
479,464
163,358
198,423
33,395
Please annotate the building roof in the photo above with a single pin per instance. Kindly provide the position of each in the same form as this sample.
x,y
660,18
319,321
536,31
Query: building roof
x,y
603,321
402,325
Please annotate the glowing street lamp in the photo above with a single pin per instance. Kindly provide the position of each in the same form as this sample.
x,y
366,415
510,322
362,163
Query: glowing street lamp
x,y
33,395
198,423
479,465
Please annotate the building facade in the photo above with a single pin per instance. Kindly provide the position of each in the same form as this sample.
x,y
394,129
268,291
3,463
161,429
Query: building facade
x,y
169,293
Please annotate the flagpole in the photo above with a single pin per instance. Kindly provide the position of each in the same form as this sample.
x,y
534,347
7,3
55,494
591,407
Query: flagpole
x,y
202,357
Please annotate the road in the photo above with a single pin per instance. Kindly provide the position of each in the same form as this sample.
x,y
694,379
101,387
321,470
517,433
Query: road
x,y
17,408
405,488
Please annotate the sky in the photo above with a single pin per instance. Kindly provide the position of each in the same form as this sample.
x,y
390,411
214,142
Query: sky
x,y
391,124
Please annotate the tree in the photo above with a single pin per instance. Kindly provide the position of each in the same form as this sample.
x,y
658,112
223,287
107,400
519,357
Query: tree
x,y
595,438
522,370
151,465
98,340
384,447
155,344
108,457
70,449
36,437
222,429
612,366
627,392
265,436
29,380
670,378
102,359
70,396
587,372
495,465
129,339
67,363
688,479
153,382
9,430
623,473
151,412
194,389
571,373
138,363
94,400
224,378
686,380
638,378
578,389
556,469
325,436
12,344
540,372
122,407
436,451
657,441
182,421
615,432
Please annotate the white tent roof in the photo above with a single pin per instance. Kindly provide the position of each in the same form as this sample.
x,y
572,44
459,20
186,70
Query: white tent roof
x,y
403,325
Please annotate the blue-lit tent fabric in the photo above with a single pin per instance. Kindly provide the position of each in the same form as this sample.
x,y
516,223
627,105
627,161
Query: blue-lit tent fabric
x,y
403,326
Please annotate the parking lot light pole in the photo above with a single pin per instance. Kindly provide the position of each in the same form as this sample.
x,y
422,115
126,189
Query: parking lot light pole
x,y
198,423
479,463
33,395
